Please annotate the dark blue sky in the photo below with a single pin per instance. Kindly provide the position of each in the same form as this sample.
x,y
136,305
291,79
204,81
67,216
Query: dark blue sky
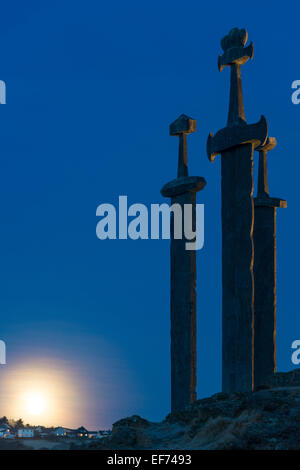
x,y
91,89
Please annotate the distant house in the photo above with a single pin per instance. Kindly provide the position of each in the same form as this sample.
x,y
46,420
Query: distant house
x,y
60,432
41,431
81,432
84,433
92,434
6,431
25,432
10,435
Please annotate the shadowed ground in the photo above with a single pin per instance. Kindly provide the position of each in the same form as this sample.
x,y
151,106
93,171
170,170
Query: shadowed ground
x,y
268,418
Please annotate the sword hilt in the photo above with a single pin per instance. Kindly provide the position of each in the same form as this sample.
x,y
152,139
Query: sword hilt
x,y
235,55
263,198
181,127
237,131
183,183
262,184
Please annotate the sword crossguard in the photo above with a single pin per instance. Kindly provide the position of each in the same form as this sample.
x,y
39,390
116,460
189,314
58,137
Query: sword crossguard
x,y
270,143
183,185
230,137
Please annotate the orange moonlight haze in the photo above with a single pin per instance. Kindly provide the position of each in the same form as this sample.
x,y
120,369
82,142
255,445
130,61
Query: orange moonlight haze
x,y
41,392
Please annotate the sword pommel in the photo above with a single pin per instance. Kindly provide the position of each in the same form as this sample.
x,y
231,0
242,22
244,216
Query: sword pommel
x,y
183,125
234,50
235,38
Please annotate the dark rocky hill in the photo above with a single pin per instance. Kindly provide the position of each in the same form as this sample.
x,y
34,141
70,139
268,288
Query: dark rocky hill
x,y
268,418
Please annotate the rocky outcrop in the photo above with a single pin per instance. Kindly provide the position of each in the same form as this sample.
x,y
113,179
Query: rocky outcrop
x,y
268,418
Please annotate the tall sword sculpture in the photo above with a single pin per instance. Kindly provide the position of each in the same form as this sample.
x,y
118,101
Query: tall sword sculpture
x,y
235,143
183,191
265,272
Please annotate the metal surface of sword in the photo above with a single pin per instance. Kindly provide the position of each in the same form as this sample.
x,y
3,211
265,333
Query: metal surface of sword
x,y
235,143
265,272
183,191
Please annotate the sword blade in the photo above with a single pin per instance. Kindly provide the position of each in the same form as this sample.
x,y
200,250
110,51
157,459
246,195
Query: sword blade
x,y
237,268
183,316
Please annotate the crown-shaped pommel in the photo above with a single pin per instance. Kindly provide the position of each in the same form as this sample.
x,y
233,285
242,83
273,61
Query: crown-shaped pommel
x,y
234,50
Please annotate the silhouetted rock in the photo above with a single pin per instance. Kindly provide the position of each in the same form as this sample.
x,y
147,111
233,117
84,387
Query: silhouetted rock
x,y
268,418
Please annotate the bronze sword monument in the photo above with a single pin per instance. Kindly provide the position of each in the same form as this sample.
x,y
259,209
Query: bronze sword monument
x,y
183,191
265,272
236,143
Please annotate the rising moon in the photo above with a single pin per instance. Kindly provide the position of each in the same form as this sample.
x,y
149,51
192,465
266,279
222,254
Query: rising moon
x,y
35,403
